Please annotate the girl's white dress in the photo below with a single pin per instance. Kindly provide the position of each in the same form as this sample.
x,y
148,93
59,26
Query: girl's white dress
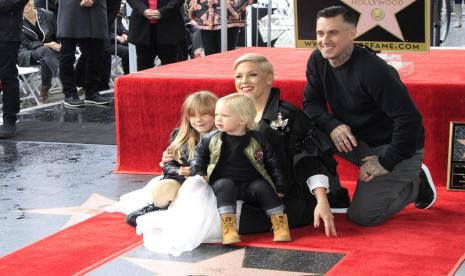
x,y
190,220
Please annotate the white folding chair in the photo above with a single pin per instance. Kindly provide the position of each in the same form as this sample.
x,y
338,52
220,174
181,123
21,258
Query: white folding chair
x,y
26,85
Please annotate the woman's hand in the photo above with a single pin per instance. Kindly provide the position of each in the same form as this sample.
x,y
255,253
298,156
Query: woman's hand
x,y
323,212
53,45
184,171
166,157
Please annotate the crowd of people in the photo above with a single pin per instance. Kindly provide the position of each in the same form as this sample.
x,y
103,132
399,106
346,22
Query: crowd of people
x,y
249,162
50,37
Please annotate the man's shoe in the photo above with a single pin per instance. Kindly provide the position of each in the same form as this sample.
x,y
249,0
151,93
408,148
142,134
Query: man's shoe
x,y
427,194
96,99
132,217
339,200
7,130
73,101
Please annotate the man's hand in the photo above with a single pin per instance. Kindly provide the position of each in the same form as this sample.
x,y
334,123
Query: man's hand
x,y
323,212
86,3
371,169
343,139
166,157
152,14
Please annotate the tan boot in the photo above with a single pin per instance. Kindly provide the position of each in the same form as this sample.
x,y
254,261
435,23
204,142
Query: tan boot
x,y
229,227
280,228
44,94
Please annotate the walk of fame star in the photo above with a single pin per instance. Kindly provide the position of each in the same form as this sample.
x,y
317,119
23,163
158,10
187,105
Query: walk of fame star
x,y
379,13
94,205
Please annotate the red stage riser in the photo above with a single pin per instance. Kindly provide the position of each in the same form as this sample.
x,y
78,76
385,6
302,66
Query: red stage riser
x,y
148,103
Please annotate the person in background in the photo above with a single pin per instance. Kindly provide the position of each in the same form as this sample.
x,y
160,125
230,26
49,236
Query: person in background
x,y
89,32
206,16
122,49
11,16
372,121
39,45
156,28
112,8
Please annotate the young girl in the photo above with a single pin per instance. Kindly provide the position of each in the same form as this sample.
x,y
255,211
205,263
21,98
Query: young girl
x,y
240,164
197,119
164,231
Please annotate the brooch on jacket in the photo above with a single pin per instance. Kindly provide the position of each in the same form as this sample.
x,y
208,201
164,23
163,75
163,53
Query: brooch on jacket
x,y
280,124
258,155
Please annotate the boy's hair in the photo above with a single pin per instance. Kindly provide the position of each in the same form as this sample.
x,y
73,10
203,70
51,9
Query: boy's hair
x,y
334,11
243,106
187,137
260,60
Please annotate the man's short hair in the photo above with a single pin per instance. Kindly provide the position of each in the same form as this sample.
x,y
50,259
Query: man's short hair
x,y
334,11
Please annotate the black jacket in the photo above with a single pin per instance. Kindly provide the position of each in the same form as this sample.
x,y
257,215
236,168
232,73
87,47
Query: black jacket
x,y
266,162
74,21
170,170
304,152
30,40
368,95
170,28
11,16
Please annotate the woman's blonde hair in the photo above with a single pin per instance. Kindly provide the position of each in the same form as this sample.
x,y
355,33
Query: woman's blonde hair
x,y
262,62
243,106
187,138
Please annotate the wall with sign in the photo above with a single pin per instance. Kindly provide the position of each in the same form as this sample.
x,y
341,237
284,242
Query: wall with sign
x,y
385,25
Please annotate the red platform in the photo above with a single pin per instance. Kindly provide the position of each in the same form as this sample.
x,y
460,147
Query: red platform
x,y
148,103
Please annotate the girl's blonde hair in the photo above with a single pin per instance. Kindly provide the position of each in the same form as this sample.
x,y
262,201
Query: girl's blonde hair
x,y
260,60
243,106
187,138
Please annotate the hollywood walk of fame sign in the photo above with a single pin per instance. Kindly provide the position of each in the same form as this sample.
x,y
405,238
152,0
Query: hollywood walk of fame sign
x,y
385,25
456,160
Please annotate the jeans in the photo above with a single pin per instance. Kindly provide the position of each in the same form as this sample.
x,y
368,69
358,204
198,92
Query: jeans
x,y
49,64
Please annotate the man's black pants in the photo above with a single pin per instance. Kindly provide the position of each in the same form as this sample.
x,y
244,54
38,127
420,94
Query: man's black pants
x,y
9,79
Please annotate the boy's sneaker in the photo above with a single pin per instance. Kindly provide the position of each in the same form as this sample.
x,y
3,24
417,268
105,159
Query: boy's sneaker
x,y
131,219
427,194
73,101
339,201
96,99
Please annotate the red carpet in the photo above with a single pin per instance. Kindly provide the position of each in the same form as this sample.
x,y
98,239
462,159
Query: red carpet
x,y
414,242
75,250
147,103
